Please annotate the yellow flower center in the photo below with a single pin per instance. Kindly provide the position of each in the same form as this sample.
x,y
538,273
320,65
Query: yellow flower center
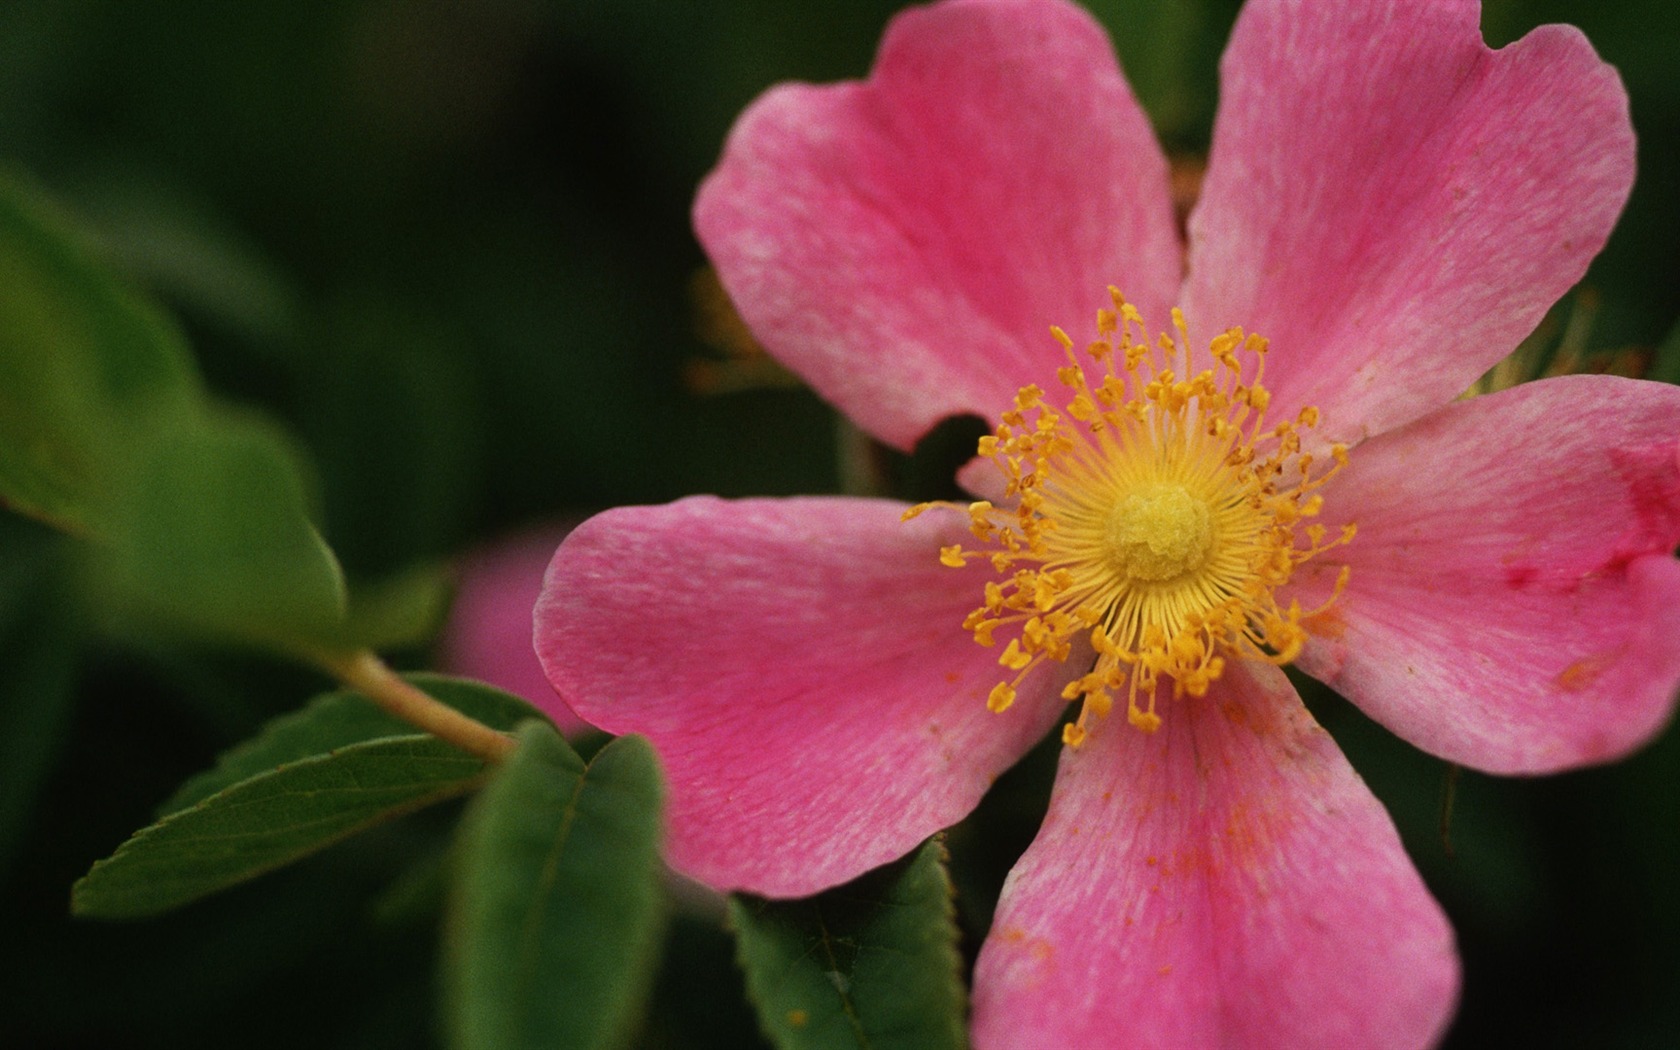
x,y
1159,532
1155,515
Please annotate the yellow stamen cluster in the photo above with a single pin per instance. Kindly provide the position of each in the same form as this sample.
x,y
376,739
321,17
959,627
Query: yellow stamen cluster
x,y
1154,515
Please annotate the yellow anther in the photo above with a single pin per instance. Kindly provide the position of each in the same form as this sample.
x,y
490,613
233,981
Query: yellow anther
x,y
1015,657
1148,721
1002,695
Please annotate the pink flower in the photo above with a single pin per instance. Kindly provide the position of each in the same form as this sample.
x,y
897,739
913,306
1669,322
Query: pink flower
x,y
1393,206
488,633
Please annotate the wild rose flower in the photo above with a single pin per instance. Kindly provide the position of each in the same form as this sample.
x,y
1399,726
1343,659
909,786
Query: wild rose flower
x,y
487,635
1391,205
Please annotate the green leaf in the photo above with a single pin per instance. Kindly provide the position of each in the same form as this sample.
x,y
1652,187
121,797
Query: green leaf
x,y
557,905
86,367
405,609
1665,364
396,428
870,964
41,638
104,430
187,250
1167,50
337,720
270,820
212,534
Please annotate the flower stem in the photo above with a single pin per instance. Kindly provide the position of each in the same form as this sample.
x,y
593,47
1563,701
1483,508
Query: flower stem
x,y
366,673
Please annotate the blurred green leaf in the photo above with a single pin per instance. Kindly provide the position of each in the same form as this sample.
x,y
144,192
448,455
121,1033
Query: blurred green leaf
x,y
405,609
557,903
270,820
1169,52
394,431
870,964
41,640
1665,364
104,431
187,252
337,720
86,367
211,533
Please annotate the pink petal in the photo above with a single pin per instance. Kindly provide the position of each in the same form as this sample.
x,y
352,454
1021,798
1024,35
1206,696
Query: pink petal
x,y
1393,204
1226,881
801,668
1512,598
488,634
906,242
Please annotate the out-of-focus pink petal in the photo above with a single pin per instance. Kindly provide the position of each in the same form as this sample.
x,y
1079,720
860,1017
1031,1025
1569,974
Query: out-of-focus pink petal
x,y
488,633
1513,603
1226,881
905,243
1393,204
801,668
981,477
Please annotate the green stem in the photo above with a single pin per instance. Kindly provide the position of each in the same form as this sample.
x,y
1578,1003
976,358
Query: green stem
x,y
367,674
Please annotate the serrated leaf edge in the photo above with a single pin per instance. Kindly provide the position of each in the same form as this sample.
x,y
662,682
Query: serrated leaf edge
x,y
448,790
423,680
949,945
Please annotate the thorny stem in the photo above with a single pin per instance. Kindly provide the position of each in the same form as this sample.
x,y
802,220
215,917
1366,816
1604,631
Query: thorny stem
x,y
367,674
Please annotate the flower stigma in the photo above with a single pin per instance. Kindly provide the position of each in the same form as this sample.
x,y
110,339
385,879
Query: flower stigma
x,y
1153,514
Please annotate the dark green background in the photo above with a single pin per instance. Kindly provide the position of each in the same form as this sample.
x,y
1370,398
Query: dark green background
x,y
447,244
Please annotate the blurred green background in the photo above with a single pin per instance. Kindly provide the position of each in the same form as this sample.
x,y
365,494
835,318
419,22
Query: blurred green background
x,y
447,244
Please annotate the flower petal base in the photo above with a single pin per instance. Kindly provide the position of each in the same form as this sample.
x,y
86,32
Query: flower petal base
x,y
1156,515
1226,882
